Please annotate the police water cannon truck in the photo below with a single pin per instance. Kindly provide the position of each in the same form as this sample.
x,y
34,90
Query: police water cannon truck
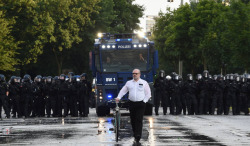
x,y
112,61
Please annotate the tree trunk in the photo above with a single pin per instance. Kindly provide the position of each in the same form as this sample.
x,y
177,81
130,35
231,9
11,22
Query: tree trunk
x,y
58,62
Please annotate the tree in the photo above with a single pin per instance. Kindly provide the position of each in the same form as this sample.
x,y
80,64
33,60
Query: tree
x,y
24,30
8,46
127,16
236,38
63,21
161,32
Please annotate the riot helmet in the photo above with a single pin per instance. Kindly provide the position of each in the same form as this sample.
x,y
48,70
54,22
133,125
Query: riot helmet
x,y
78,78
71,74
44,79
38,79
237,78
248,77
161,73
176,77
220,78
173,74
11,81
83,76
231,77
49,79
205,74
215,77
2,78
62,77
242,78
55,79
168,77
198,77
17,79
26,78
189,77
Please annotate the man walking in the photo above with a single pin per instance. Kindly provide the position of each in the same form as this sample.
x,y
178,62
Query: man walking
x,y
139,94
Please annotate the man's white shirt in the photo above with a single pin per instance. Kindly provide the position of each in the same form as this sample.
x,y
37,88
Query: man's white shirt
x,y
138,90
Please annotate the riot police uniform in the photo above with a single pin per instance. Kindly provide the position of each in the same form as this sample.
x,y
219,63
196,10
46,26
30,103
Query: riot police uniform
x,y
243,95
175,99
160,93
84,94
3,96
63,96
205,96
27,95
190,90
219,91
73,96
39,101
15,91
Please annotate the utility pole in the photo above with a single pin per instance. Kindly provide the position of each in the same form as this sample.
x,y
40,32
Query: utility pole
x,y
180,61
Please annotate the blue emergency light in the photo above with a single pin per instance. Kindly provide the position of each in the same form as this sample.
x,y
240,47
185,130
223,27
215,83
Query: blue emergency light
x,y
109,96
123,40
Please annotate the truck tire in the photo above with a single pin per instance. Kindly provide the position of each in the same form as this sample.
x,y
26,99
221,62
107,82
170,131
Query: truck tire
x,y
102,111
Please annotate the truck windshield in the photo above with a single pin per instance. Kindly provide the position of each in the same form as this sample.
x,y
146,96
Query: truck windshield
x,y
123,60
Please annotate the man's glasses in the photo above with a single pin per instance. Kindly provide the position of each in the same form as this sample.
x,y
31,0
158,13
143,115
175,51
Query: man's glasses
x,y
136,73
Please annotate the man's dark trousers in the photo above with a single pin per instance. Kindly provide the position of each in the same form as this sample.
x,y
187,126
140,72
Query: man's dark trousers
x,y
136,110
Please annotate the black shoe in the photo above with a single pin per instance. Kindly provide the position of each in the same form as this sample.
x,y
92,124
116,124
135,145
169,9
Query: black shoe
x,y
156,114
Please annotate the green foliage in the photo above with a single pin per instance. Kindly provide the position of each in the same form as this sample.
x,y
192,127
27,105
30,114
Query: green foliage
x,y
206,34
8,46
59,33
237,34
127,16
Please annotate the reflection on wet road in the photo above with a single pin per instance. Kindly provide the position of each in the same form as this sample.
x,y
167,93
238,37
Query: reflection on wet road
x,y
92,130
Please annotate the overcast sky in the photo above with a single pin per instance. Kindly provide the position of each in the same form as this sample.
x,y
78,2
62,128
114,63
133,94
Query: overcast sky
x,y
153,7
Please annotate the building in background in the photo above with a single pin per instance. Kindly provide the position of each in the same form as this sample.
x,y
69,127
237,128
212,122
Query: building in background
x,y
152,9
150,22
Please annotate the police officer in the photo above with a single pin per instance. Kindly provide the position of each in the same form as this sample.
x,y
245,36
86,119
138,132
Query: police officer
x,y
175,99
63,99
84,94
73,96
160,92
243,95
231,95
48,93
168,89
39,103
4,91
27,94
15,91
198,83
204,93
238,99
10,96
54,89
190,90
219,91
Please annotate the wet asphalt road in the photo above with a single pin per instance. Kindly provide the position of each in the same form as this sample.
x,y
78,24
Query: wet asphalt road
x,y
157,130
